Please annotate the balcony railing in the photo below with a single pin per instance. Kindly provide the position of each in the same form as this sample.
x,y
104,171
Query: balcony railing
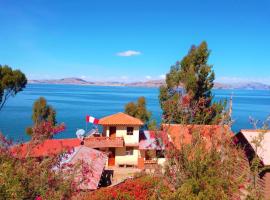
x,y
102,142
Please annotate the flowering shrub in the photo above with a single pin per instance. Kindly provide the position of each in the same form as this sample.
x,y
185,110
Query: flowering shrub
x,y
31,178
205,170
142,188
45,130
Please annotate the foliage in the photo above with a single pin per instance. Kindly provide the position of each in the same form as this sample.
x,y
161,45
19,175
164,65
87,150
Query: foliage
x,y
42,113
186,98
138,109
45,130
27,178
204,170
256,166
142,188
11,82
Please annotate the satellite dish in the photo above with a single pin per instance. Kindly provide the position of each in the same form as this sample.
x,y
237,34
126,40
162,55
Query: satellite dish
x,y
80,133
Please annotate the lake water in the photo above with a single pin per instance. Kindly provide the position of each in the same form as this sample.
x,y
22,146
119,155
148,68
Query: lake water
x,y
73,103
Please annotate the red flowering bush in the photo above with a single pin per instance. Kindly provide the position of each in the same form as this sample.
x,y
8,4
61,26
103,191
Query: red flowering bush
x,y
142,188
45,130
29,178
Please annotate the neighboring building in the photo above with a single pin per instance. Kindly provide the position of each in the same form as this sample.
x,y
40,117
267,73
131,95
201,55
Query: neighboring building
x,y
46,148
182,134
93,159
245,138
74,152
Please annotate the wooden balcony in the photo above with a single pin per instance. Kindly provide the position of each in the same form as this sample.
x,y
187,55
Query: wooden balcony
x,y
102,142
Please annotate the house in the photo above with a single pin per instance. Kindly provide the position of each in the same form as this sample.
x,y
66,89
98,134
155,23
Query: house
x,y
121,126
74,152
125,143
246,139
135,149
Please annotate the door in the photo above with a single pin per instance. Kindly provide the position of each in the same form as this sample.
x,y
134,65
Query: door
x,y
112,131
111,161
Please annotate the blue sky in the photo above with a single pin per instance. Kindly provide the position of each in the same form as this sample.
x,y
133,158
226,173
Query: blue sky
x,y
133,40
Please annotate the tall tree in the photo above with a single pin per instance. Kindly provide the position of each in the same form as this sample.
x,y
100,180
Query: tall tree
x,y
11,82
43,116
43,112
138,109
187,98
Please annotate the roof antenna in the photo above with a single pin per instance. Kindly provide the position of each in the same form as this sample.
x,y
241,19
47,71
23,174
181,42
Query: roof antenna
x,y
80,135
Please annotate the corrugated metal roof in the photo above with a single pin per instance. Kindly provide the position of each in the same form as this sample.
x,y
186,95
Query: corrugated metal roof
x,y
95,161
152,140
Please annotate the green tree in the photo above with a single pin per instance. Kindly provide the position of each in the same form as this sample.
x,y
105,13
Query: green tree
x,y
138,109
11,82
204,170
27,177
42,112
187,98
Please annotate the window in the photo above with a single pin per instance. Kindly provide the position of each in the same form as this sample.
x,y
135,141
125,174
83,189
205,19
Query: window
x,y
160,153
130,130
129,151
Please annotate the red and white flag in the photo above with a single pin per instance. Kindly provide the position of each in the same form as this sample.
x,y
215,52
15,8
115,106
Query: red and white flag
x,y
91,119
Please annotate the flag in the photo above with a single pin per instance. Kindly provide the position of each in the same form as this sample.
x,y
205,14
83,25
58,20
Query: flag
x,y
91,119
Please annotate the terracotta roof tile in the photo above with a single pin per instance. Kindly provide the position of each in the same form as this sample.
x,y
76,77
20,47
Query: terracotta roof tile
x,y
120,119
47,148
178,132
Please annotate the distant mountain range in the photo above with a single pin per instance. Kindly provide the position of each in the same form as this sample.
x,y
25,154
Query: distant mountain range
x,y
150,83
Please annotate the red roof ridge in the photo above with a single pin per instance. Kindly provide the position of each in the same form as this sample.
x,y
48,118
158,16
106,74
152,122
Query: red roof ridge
x,y
120,118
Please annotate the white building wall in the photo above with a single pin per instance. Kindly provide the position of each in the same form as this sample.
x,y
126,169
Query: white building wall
x,y
122,159
130,140
121,131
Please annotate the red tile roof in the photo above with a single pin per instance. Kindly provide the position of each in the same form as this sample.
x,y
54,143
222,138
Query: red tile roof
x,y
47,148
120,119
178,132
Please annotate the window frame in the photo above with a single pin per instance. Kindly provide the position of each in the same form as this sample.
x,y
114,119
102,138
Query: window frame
x,y
130,132
129,151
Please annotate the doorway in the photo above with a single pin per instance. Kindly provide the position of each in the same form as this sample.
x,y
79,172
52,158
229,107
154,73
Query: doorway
x,y
112,131
111,160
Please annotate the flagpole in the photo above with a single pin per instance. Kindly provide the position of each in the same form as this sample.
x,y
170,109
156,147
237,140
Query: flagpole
x,y
86,121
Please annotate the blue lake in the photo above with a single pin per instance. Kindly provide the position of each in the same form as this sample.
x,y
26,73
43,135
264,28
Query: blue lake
x,y
73,103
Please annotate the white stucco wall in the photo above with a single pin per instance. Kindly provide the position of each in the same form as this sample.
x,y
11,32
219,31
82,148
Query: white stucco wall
x,y
121,131
122,159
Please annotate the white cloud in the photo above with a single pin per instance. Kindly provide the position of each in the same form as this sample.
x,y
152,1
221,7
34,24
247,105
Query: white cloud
x,y
129,53
162,76
148,77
